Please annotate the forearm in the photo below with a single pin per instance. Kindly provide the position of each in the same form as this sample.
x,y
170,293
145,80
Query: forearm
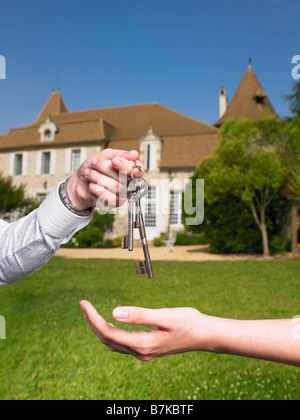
x,y
29,243
24,249
272,340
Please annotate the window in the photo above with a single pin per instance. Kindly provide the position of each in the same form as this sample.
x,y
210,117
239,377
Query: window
x,y
18,164
175,208
47,135
76,160
48,130
150,208
46,163
150,156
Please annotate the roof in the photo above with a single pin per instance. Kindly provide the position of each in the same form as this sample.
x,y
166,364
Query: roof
x,y
186,139
54,106
178,151
243,103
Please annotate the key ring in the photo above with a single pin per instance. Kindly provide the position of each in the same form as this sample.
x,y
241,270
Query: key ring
x,y
135,166
139,186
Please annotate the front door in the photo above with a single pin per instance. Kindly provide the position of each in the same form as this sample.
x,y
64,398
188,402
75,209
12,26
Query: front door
x,y
153,218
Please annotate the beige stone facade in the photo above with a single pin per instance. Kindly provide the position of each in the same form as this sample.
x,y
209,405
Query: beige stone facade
x,y
170,144
41,177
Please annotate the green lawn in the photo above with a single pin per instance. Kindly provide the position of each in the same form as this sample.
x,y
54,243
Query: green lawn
x,y
50,352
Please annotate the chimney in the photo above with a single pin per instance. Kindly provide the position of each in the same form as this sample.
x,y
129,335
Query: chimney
x,y
222,101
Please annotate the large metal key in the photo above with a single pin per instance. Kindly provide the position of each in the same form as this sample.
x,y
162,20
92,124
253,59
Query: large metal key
x,y
144,267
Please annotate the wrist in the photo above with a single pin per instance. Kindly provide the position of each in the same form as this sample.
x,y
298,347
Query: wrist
x,y
69,198
209,334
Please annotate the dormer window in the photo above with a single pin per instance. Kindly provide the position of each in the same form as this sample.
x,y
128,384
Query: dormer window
x,y
48,130
259,98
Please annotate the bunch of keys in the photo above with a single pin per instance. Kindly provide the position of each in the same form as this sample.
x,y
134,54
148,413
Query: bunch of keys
x,y
137,188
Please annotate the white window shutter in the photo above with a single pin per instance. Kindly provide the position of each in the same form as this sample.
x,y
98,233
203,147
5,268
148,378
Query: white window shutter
x,y
153,157
145,156
83,155
25,164
68,161
53,162
38,163
11,164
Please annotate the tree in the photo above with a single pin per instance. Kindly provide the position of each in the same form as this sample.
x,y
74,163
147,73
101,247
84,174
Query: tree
x,y
13,198
293,146
294,99
291,155
250,163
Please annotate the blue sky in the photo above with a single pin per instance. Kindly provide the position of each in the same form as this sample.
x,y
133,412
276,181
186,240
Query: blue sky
x,y
120,52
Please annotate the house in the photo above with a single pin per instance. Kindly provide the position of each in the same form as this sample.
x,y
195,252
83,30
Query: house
x,y
171,145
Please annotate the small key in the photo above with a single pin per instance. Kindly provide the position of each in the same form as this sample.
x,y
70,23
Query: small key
x,y
127,240
136,187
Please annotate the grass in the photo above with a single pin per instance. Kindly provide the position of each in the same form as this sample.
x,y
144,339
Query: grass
x,y
50,352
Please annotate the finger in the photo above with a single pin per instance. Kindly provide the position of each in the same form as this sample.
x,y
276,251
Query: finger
x,y
103,196
98,324
93,317
105,200
102,162
104,181
112,153
114,167
124,350
160,318
105,167
122,164
130,341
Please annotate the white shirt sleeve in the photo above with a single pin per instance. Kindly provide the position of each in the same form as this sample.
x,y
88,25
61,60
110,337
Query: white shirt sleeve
x,y
28,244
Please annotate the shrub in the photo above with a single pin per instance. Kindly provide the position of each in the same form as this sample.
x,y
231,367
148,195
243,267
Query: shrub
x,y
229,227
93,235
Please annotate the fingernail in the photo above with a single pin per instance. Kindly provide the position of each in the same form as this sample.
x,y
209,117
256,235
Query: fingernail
x,y
120,313
82,306
117,162
86,172
95,162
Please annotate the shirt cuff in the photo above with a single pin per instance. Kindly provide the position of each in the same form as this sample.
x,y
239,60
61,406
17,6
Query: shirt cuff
x,y
56,220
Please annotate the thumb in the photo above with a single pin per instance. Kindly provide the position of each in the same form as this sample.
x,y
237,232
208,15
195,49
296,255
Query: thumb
x,y
142,316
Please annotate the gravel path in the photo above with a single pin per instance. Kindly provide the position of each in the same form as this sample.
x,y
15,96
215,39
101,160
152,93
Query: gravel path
x,y
181,253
